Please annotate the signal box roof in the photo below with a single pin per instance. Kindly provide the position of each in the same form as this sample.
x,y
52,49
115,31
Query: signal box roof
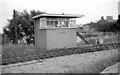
x,y
58,16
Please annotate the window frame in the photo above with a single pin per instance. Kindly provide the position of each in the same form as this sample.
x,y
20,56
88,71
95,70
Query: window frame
x,y
57,20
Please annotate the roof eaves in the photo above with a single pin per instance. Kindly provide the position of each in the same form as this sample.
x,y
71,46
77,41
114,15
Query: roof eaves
x,y
58,15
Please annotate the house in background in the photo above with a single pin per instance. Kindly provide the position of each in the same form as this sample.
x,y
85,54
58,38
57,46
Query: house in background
x,y
110,19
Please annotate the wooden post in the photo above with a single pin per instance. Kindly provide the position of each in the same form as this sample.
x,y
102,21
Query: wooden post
x,y
14,13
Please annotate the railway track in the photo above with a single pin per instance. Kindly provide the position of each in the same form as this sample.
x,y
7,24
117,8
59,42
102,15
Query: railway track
x,y
61,52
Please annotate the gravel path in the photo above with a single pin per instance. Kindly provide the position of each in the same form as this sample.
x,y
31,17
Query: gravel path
x,y
76,63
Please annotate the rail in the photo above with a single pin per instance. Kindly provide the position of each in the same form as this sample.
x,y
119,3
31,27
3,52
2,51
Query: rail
x,y
62,52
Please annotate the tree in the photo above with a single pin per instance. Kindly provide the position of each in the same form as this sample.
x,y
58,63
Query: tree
x,y
24,24
118,21
106,26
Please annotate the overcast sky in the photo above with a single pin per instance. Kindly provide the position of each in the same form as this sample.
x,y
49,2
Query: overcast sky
x,y
92,9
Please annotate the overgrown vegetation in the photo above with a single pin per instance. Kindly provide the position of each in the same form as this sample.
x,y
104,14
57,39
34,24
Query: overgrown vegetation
x,y
11,51
94,63
24,25
106,26
24,51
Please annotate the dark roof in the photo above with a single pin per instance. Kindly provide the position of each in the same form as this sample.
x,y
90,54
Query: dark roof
x,y
58,16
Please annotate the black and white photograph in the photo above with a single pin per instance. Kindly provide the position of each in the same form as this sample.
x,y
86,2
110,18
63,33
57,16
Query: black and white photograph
x,y
56,37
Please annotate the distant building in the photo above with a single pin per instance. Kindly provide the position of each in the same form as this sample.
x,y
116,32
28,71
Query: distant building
x,y
110,19
79,25
87,28
80,29
102,21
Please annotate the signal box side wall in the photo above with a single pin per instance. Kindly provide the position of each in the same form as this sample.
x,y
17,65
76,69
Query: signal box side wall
x,y
61,38
40,35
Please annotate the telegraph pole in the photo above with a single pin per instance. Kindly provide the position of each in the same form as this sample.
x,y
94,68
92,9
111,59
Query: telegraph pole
x,y
15,23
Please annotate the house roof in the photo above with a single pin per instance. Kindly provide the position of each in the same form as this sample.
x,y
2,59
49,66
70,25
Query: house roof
x,y
58,16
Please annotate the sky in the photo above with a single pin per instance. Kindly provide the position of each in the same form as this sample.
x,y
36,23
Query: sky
x,y
92,9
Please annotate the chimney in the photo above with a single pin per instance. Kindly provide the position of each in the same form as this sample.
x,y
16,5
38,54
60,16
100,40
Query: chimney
x,y
102,18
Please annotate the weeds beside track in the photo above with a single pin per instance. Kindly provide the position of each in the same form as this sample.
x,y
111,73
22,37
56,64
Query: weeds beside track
x,y
61,52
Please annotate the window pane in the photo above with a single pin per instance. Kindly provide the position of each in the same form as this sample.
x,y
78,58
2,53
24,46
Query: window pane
x,y
56,22
66,23
52,24
48,23
63,24
60,22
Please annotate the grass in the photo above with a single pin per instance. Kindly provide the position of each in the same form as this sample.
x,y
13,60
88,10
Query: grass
x,y
85,63
20,50
112,69
99,64
10,51
104,63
